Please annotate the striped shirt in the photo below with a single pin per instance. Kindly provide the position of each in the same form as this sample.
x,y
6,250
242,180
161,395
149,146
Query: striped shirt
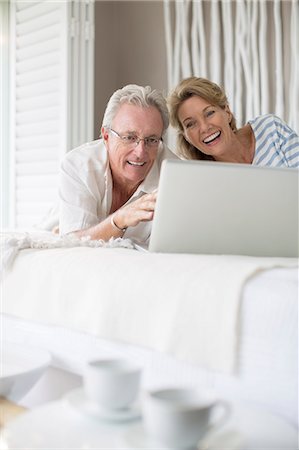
x,y
276,143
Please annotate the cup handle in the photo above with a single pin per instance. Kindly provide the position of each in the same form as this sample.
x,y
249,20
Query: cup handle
x,y
226,413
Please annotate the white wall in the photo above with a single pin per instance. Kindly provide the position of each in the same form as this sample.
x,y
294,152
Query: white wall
x,y
129,48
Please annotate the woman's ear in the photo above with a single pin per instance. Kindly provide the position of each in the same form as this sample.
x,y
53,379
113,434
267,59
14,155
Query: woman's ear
x,y
185,137
229,113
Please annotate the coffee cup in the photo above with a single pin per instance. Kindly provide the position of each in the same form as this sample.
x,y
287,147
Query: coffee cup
x,y
112,384
179,418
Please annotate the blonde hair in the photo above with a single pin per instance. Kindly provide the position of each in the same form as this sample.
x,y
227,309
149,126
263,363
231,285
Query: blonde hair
x,y
194,86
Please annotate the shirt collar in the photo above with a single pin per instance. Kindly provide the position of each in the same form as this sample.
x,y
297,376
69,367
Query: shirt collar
x,y
148,185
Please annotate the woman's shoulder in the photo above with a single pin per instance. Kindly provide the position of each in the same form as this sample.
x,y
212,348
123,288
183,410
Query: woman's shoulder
x,y
265,120
269,124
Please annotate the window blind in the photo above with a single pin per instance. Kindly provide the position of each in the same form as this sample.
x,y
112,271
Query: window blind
x,y
51,107
4,116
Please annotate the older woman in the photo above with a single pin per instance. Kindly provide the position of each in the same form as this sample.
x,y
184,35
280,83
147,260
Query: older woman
x,y
107,187
200,112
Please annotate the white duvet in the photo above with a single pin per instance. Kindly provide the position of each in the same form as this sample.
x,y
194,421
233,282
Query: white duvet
x,y
185,305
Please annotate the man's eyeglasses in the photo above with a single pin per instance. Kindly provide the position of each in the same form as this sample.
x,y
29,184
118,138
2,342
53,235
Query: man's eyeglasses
x,y
132,140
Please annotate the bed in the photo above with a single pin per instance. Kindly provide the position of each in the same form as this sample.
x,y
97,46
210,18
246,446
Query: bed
x,y
226,323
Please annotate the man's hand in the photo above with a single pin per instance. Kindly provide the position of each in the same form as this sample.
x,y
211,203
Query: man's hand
x,y
140,210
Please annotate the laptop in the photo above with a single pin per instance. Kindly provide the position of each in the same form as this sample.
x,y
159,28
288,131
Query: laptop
x,y
223,208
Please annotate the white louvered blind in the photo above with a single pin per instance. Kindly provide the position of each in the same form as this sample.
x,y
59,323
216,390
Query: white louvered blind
x,y
4,116
47,97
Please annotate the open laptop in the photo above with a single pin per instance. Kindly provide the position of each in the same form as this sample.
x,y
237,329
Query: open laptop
x,y
221,208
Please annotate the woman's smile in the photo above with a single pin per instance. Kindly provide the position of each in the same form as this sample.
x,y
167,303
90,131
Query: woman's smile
x,y
206,126
212,138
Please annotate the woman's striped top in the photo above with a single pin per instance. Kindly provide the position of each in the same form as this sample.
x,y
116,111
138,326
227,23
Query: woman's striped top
x,y
277,144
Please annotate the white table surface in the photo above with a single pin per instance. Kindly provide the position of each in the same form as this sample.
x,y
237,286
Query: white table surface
x,y
60,425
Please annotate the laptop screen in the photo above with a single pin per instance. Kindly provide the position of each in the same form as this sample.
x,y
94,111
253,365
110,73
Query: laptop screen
x,y
222,208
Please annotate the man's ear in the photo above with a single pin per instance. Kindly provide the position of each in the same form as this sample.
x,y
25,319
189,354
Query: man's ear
x,y
104,133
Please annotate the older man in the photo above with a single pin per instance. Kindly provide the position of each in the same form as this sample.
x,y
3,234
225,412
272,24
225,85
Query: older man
x,y
108,187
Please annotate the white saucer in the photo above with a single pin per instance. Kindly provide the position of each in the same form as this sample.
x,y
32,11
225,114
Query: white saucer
x,y
78,400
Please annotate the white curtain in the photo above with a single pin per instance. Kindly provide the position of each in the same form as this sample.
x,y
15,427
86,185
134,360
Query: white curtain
x,y
250,47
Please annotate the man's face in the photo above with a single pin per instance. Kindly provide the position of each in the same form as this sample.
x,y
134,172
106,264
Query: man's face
x,y
130,163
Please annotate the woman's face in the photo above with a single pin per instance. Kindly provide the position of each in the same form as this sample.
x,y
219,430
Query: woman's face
x,y
206,127
130,164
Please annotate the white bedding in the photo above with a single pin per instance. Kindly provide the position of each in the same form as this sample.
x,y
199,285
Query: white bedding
x,y
266,357
184,305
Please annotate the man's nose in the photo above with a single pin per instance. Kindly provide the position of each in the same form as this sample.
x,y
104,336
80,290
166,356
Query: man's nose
x,y
140,147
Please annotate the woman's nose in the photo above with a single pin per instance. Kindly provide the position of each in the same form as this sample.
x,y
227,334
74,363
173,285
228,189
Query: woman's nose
x,y
203,125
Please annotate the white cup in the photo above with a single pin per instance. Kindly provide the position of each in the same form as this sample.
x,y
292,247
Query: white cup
x,y
112,383
180,418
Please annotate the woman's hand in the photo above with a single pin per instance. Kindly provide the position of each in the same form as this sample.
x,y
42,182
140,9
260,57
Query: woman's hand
x,y
140,210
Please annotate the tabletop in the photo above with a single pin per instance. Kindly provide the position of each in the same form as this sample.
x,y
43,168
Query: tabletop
x,y
64,425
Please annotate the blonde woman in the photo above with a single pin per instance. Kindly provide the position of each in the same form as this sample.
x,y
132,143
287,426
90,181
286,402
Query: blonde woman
x,y
207,130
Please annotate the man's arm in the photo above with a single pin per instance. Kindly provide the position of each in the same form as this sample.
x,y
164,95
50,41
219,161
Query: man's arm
x,y
115,225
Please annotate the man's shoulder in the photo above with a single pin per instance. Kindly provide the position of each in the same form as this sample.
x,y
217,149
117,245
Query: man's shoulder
x,y
166,153
87,155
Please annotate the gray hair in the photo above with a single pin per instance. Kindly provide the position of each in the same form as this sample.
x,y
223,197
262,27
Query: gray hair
x,y
136,95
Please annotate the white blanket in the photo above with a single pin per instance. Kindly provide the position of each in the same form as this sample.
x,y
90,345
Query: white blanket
x,y
186,305
12,242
